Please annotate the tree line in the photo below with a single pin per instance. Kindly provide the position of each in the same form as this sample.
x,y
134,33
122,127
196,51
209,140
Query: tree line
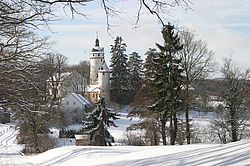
x,y
169,84
162,88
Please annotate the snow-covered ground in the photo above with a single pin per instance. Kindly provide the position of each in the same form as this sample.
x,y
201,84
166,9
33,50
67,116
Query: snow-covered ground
x,y
237,153
200,154
122,124
8,150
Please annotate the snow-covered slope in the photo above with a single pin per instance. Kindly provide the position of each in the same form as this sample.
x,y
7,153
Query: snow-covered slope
x,y
8,150
237,153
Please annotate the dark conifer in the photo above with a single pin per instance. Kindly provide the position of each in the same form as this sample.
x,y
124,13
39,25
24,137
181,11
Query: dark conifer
x,y
135,71
98,122
166,82
119,68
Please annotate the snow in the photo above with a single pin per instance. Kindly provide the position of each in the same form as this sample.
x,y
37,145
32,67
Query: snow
x,y
237,153
8,150
93,88
122,124
198,154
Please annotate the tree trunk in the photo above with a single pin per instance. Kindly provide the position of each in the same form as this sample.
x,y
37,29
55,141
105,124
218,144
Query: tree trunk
x,y
188,135
171,131
163,132
175,128
233,126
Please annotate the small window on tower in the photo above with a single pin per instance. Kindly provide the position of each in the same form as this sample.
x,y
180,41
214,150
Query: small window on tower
x,y
101,60
98,54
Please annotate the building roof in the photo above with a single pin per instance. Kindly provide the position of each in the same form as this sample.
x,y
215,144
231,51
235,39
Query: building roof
x,y
97,49
81,137
81,99
93,88
104,68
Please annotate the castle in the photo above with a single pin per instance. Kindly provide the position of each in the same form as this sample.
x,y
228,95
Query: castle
x,y
99,75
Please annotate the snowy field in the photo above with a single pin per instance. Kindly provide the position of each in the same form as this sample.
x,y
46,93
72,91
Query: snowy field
x,y
237,154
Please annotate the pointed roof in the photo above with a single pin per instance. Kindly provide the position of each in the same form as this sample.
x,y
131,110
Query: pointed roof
x,y
79,98
104,68
97,47
97,42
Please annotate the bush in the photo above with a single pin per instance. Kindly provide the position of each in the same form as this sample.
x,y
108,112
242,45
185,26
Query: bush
x,y
134,138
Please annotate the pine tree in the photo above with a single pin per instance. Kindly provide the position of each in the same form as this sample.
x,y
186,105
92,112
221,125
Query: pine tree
x,y
119,67
166,82
135,71
98,122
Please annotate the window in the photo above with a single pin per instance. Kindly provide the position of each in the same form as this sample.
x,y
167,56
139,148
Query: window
x,y
67,102
74,103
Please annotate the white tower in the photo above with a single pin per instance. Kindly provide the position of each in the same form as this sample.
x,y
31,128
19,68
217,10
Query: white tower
x,y
104,82
96,61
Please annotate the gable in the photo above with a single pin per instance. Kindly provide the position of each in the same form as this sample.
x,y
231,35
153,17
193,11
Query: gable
x,y
75,100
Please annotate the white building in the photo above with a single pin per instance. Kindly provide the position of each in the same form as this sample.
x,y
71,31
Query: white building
x,y
99,75
75,101
74,105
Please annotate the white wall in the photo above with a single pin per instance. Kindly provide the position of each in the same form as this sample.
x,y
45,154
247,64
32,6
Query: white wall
x,y
96,61
71,103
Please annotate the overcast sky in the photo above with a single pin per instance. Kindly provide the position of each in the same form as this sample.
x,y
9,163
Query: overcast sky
x,y
223,24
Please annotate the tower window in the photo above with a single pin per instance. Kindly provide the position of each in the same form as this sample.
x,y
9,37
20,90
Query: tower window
x,y
98,54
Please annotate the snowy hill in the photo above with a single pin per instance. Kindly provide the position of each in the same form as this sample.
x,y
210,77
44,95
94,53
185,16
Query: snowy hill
x,y
237,153
198,154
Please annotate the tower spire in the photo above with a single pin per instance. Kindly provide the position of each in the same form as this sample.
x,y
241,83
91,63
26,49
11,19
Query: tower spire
x,y
97,40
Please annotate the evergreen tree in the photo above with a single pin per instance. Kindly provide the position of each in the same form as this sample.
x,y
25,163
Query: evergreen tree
x,y
135,70
98,122
119,67
166,82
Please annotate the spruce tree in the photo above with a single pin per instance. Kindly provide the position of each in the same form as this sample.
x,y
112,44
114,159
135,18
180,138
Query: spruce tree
x,y
119,68
166,82
98,122
135,71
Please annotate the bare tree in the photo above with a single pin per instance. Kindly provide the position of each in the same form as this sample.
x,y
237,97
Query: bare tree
x,y
43,9
54,67
197,63
79,78
234,94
